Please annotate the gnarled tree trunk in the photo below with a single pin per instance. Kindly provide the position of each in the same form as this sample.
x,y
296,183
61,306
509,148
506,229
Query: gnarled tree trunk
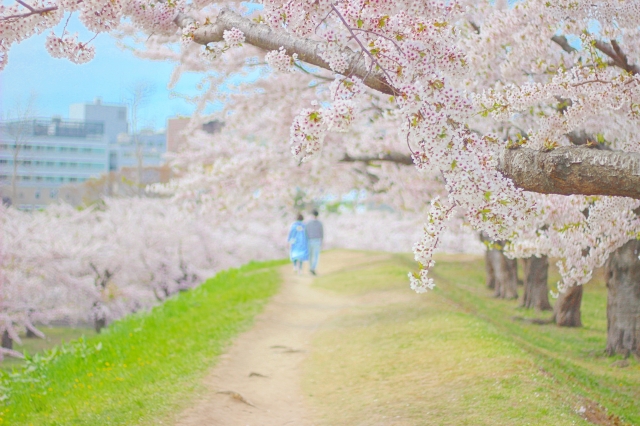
x,y
567,310
623,300
536,292
7,341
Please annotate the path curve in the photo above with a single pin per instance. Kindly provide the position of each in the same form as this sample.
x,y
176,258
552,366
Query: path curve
x,y
257,381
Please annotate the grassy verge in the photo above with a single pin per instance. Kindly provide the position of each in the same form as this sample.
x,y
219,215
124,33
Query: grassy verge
x,y
445,357
141,368
574,357
33,345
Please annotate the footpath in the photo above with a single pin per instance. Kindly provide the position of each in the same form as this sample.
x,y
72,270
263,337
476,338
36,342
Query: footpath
x,y
258,381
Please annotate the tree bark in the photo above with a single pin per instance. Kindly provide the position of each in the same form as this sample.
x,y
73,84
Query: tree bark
x,y
622,271
7,341
566,170
573,170
99,324
30,333
567,310
488,264
504,274
263,37
536,291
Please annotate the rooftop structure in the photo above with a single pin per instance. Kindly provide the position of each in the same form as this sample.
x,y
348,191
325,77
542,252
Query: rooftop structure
x,y
112,116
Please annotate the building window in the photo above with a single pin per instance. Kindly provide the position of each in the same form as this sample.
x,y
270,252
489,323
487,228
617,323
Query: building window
x,y
3,161
38,178
73,149
50,179
37,194
26,178
73,179
73,164
63,164
53,193
51,148
50,163
26,163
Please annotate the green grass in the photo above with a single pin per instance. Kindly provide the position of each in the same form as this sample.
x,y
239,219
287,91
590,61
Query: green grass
x,y
143,367
455,357
574,356
54,336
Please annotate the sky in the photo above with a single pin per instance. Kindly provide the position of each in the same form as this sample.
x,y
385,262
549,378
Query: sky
x,y
57,83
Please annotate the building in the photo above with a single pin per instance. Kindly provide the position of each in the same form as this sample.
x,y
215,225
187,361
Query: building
x,y
51,153
112,116
151,146
37,156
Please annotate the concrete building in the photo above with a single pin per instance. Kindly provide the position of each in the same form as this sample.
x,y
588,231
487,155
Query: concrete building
x,y
112,116
152,147
37,156
51,153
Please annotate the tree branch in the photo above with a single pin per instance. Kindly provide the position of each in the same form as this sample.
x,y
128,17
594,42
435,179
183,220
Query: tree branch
x,y
564,43
573,170
263,37
619,58
565,170
31,12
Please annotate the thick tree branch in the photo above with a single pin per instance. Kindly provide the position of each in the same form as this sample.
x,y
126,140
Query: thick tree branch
x,y
564,43
573,170
263,37
565,170
614,51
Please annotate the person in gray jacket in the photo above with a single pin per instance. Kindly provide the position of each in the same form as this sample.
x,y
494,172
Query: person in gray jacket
x,y
315,234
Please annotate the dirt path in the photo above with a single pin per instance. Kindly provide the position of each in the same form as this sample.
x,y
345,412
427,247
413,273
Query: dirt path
x,y
257,382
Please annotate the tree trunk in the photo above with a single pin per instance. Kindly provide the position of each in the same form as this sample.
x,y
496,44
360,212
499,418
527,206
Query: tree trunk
x,y
567,309
30,333
7,341
99,324
623,300
488,264
536,292
506,275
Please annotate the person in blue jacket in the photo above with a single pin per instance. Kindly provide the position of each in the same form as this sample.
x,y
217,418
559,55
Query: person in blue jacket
x,y
298,245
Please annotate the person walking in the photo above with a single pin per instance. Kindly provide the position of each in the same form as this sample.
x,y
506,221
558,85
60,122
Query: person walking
x,y
315,234
298,245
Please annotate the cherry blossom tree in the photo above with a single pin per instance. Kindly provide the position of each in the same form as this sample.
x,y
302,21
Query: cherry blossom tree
x,y
499,101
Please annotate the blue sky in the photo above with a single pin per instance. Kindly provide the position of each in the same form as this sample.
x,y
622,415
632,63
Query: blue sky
x,y
58,82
